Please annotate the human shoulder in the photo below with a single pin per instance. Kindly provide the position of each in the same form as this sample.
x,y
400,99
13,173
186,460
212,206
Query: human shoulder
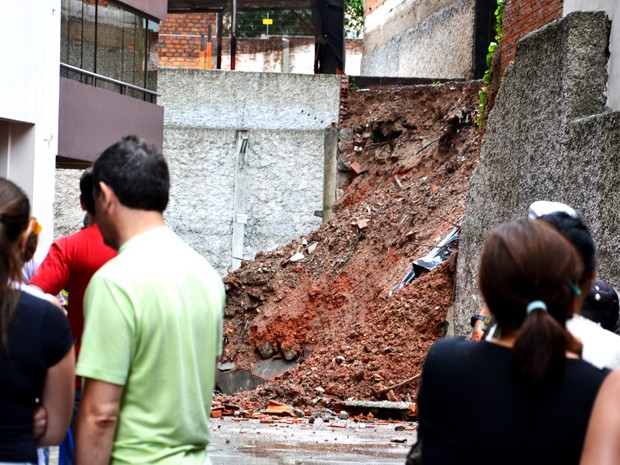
x,y
32,298
600,346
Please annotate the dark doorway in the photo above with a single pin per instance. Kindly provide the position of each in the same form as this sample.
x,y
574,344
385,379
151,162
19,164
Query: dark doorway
x,y
484,34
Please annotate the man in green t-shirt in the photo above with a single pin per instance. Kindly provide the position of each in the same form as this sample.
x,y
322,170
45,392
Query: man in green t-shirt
x,y
153,324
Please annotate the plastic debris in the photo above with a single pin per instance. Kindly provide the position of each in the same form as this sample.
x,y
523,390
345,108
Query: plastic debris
x,y
435,257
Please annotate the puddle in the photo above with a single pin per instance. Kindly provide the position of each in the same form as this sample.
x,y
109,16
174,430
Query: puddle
x,y
251,442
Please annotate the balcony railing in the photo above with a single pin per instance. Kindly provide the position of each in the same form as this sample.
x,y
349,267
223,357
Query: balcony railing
x,y
149,95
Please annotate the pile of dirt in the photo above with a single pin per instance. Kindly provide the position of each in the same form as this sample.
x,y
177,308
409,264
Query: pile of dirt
x,y
406,156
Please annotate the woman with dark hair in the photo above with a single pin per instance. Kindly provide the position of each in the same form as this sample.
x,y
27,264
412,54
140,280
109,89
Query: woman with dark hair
x,y
36,347
538,394
601,346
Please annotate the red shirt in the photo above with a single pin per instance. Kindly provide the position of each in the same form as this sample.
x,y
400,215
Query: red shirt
x,y
70,263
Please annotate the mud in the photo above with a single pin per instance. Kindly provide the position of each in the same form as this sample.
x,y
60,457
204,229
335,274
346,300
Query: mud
x,y
342,443
406,156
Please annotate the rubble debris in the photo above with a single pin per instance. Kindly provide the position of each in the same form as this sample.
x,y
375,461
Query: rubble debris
x,y
381,409
270,369
277,408
229,382
435,257
225,366
266,350
335,302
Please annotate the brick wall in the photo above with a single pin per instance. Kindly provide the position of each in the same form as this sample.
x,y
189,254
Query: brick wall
x,y
522,17
372,5
180,42
180,47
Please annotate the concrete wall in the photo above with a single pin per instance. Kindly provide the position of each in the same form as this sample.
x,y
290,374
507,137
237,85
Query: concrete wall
x,y
420,38
612,9
284,117
29,83
549,137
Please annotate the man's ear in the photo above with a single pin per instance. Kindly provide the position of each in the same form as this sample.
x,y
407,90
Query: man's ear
x,y
107,195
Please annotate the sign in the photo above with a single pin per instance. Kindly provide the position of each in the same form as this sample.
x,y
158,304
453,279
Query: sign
x,y
267,21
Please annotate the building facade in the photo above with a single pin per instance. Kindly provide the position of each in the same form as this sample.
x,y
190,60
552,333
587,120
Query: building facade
x,y
77,75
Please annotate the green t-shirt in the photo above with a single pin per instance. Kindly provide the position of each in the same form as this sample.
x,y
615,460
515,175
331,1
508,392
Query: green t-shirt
x,y
154,325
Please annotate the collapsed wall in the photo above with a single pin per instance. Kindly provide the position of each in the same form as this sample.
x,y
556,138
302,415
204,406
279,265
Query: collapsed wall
x,y
549,137
421,38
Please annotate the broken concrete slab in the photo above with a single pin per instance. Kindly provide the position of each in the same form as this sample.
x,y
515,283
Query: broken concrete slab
x,y
230,382
382,409
269,369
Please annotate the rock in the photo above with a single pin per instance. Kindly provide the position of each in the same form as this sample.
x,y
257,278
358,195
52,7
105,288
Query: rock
x,y
230,382
225,366
269,369
266,350
343,415
289,353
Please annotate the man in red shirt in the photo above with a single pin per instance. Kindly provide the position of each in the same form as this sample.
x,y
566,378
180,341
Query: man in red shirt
x,y
72,260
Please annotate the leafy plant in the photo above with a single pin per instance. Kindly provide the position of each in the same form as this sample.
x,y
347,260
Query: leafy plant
x,y
486,79
354,15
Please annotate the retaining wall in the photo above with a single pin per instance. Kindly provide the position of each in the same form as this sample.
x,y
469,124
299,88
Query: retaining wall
x,y
420,38
549,137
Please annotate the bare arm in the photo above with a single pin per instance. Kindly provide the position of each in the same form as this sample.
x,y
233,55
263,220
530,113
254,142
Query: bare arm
x,y
48,297
57,400
602,444
97,420
478,324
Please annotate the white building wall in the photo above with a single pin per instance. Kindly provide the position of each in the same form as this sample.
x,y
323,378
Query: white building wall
x,y
29,96
612,8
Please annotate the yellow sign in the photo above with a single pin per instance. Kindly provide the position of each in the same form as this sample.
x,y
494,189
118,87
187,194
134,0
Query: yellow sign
x,y
267,21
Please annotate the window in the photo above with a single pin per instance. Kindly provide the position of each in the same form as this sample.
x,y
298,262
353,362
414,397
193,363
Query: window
x,y
102,37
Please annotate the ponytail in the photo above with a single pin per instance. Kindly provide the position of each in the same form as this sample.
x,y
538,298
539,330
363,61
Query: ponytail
x,y
527,275
539,351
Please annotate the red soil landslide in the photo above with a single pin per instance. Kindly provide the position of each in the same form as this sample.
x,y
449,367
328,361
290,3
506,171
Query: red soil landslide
x,y
415,148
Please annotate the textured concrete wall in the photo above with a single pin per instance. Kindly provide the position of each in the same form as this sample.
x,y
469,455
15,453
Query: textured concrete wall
x,y
285,116
68,215
549,137
426,39
612,8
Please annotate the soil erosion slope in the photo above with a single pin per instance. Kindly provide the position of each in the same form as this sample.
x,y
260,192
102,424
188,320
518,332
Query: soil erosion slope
x,y
406,155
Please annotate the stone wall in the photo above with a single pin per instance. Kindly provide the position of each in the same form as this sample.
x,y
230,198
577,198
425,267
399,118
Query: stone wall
x,y
420,38
549,137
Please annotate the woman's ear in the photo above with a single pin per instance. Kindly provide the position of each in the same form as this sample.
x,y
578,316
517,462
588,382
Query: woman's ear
x,y
23,238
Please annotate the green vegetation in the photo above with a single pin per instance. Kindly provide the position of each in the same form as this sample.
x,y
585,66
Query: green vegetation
x,y
354,15
483,94
292,23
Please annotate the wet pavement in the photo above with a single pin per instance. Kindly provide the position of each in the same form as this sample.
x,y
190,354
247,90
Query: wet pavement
x,y
337,442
